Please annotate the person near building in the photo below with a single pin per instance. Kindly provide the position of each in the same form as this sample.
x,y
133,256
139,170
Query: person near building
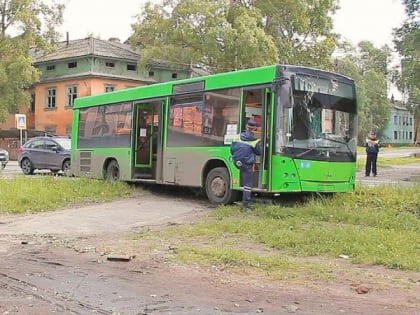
x,y
244,148
372,150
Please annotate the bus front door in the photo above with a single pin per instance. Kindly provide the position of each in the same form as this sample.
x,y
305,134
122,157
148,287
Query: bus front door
x,y
257,106
144,145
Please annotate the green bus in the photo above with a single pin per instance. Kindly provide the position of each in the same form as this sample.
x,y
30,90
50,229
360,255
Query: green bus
x,y
179,132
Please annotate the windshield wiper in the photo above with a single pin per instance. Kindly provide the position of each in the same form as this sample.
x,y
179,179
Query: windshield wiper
x,y
346,143
310,150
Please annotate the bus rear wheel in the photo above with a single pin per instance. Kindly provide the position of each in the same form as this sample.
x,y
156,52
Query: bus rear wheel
x,y
113,171
218,188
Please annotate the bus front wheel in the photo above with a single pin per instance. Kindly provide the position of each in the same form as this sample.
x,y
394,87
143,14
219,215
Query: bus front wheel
x,y
218,188
113,171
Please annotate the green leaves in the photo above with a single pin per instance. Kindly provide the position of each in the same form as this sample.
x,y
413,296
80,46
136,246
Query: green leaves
x,y
407,43
24,25
228,35
367,65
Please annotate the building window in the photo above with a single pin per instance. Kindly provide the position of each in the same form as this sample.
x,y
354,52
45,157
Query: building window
x,y
131,67
72,64
174,75
50,67
151,73
109,88
32,104
411,135
395,120
51,94
110,64
51,130
68,130
71,95
395,135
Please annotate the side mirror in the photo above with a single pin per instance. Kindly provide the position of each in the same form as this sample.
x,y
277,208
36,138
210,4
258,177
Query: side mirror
x,y
284,93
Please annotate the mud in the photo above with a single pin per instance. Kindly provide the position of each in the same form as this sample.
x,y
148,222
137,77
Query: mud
x,y
57,262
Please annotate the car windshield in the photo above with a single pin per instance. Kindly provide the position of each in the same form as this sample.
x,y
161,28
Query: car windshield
x,y
64,142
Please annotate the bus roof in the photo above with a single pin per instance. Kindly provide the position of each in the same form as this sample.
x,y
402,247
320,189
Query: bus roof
x,y
244,77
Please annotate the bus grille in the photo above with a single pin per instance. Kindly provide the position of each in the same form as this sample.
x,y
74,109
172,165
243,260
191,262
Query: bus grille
x,y
85,161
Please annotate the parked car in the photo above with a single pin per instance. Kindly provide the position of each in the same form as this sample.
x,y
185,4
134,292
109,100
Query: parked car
x,y
4,158
51,153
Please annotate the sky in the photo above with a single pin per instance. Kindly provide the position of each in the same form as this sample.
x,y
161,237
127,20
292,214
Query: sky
x,y
357,20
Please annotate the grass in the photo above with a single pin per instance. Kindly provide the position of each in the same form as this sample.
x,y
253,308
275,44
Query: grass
x,y
304,237
362,149
377,226
384,162
43,193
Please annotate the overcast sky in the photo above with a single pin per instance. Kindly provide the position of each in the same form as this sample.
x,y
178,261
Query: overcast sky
x,y
357,20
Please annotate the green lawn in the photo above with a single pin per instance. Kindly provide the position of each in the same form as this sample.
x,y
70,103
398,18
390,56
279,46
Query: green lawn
x,y
374,225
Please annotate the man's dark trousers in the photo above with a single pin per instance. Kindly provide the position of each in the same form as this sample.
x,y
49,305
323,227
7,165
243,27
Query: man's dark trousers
x,y
371,159
247,174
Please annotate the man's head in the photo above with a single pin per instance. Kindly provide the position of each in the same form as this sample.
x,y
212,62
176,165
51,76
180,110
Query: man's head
x,y
372,134
251,125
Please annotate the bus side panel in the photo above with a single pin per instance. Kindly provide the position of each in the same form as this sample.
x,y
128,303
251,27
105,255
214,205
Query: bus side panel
x,y
284,176
92,162
185,166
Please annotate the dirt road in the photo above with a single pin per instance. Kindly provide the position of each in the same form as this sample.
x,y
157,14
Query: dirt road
x,y
59,262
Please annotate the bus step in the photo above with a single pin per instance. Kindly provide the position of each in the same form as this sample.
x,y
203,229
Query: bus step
x,y
143,176
143,180
255,189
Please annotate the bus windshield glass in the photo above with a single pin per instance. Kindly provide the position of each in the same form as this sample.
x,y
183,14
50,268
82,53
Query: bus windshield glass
x,y
321,123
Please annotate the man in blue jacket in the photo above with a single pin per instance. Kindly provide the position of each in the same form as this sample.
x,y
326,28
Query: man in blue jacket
x,y
372,150
244,147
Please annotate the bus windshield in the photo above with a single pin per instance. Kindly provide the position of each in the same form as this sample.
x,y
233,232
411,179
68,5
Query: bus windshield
x,y
321,122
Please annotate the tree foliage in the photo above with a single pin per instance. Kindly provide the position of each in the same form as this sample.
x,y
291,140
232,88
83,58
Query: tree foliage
x,y
407,43
206,33
225,35
24,25
302,30
367,65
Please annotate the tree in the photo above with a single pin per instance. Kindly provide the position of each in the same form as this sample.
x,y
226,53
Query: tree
x,y
367,65
231,34
302,30
208,33
24,25
407,43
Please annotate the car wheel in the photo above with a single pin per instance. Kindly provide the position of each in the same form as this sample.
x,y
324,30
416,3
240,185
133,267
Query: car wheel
x,y
217,187
113,171
66,166
26,167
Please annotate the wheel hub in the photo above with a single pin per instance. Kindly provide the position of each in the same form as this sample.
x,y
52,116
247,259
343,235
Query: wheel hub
x,y
218,187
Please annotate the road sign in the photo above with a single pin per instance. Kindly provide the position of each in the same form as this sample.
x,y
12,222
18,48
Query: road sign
x,y
20,121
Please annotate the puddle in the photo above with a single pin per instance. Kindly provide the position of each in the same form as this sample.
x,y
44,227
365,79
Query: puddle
x,y
414,178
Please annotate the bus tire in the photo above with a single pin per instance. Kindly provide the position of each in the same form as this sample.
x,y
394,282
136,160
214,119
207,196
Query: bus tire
x,y
218,188
113,171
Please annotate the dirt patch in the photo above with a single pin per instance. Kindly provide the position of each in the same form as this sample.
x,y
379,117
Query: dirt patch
x,y
58,262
